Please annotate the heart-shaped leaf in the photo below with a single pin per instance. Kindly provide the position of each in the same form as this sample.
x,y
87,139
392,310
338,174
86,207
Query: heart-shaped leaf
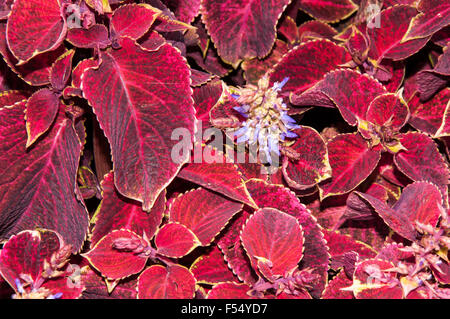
x,y
175,240
203,212
172,282
133,20
211,268
242,30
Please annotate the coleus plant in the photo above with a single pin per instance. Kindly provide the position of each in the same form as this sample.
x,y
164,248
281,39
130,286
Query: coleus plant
x,y
220,149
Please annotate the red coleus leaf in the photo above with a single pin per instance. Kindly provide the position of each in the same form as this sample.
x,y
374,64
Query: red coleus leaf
x,y
61,71
351,160
328,11
421,160
95,288
221,176
203,212
229,290
334,288
386,41
305,66
339,244
315,29
95,36
242,30
34,27
434,16
234,253
114,263
40,196
315,253
211,268
171,282
371,281
312,166
12,97
274,242
175,240
117,212
130,87
27,257
256,68
133,20
205,98
41,110
34,72
419,202
185,10
388,110
352,96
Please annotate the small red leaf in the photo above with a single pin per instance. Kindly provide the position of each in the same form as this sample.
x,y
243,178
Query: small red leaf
x,y
117,212
306,64
386,41
41,110
185,10
351,160
173,282
313,166
113,263
61,70
203,212
34,27
232,27
328,10
435,15
229,290
334,288
389,111
211,268
95,36
274,242
175,240
133,20
421,161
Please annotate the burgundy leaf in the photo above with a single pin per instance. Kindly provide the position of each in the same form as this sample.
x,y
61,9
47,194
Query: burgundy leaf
x,y
305,65
41,110
434,16
133,20
274,242
175,240
335,286
130,86
34,27
351,160
313,166
172,282
242,30
95,36
38,186
61,70
229,290
328,11
203,212
185,10
211,268
117,212
95,288
113,263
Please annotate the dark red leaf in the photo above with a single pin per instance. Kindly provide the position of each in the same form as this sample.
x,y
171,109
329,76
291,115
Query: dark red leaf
x,y
328,10
351,160
34,27
172,282
117,212
130,86
334,288
185,10
313,166
133,20
242,30
33,191
305,65
203,212
95,36
61,70
41,110
229,290
113,263
175,240
211,268
274,242
95,288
